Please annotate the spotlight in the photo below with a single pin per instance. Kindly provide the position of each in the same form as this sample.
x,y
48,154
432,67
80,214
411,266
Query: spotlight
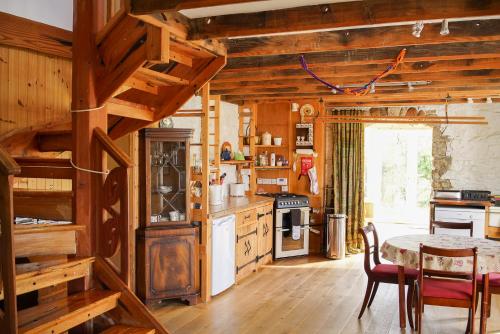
x,y
410,87
470,100
444,28
334,91
372,88
489,100
417,28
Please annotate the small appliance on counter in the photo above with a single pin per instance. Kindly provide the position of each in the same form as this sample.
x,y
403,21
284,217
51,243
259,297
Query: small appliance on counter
x,y
476,195
215,194
448,194
237,189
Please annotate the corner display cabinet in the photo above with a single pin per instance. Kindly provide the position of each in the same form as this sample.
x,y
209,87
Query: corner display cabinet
x,y
167,242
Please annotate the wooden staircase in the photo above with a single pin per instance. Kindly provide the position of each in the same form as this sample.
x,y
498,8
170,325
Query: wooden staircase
x,y
72,291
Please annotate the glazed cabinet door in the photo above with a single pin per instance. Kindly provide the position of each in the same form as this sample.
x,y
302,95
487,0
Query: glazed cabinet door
x,y
246,250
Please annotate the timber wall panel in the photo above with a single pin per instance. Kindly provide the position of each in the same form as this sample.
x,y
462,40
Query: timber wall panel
x,y
34,88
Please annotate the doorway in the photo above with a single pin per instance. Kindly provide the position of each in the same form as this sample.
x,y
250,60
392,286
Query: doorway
x,y
398,178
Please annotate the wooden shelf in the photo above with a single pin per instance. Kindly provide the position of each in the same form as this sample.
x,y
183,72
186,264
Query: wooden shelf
x,y
271,167
271,146
236,162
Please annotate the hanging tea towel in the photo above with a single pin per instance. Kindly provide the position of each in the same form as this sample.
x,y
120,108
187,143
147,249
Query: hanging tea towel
x,y
313,177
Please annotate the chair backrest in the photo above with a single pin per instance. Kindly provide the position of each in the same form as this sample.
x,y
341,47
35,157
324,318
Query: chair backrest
x,y
370,248
449,253
451,225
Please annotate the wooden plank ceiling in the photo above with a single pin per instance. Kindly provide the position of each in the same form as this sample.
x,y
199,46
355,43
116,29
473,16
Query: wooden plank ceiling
x,y
348,43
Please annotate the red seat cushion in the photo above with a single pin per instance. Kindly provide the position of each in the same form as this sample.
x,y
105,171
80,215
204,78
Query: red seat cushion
x,y
391,271
494,279
447,288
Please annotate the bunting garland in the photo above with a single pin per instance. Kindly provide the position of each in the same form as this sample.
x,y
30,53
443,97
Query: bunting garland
x,y
363,90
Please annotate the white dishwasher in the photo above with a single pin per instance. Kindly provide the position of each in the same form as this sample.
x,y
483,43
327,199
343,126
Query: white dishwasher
x,y
461,215
223,253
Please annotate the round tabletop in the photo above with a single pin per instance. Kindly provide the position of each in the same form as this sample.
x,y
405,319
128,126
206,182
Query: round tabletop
x,y
404,251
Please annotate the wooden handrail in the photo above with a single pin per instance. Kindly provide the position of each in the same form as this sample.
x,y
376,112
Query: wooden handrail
x,y
8,168
8,165
113,226
114,151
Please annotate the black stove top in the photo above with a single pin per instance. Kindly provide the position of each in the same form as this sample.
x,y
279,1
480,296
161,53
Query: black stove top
x,y
288,200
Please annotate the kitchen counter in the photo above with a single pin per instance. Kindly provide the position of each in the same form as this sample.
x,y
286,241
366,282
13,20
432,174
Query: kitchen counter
x,y
233,205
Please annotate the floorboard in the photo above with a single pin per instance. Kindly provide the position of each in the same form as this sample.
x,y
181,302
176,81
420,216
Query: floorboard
x,y
308,295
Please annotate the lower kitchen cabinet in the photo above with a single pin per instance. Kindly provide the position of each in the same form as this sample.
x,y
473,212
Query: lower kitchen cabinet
x,y
246,250
265,235
254,240
168,264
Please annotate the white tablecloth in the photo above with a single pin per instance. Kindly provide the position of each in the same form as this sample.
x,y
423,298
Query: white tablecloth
x,y
404,251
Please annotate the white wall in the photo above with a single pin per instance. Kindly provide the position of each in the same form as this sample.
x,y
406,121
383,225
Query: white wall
x,y
474,149
228,131
57,13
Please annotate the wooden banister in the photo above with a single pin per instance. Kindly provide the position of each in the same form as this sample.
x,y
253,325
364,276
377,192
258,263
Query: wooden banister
x,y
113,227
8,168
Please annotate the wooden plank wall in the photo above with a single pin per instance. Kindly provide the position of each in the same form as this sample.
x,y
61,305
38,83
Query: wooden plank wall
x,y
35,88
280,121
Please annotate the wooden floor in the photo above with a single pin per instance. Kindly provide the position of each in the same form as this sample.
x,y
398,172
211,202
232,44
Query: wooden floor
x,y
308,295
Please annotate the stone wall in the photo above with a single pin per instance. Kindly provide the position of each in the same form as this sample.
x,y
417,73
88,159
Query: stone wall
x,y
468,156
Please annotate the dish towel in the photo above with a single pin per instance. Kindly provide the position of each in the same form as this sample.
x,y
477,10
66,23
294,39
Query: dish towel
x,y
295,215
313,178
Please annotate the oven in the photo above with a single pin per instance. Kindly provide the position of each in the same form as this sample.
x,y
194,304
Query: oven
x,y
291,239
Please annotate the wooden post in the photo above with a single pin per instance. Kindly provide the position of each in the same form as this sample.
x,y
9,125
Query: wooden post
x,y
206,237
86,22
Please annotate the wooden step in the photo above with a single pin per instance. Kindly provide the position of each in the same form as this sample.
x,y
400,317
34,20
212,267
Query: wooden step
x,y
54,141
45,168
122,329
63,314
51,205
45,239
38,275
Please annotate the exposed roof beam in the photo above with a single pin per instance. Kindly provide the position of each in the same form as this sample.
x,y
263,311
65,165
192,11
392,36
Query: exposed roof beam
x,y
456,92
366,38
362,78
354,70
449,51
330,16
153,6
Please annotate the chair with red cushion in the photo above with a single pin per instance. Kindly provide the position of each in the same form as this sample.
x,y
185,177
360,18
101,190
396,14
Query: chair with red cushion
x,y
493,287
382,273
446,288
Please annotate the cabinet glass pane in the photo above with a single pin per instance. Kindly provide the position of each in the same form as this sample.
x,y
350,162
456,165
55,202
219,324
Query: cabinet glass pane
x,y
168,181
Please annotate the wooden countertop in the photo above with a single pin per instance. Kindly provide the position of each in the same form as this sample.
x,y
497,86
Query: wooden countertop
x,y
233,205
458,202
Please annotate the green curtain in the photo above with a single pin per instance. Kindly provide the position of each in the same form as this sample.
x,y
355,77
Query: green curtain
x,y
348,179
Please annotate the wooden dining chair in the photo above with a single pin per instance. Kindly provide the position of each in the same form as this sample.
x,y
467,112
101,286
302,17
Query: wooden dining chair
x,y
454,226
441,289
382,273
493,285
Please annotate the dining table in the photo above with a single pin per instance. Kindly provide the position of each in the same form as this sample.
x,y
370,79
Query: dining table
x,y
404,252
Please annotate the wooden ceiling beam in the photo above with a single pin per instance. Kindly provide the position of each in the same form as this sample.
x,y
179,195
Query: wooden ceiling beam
x,y
473,84
457,92
338,15
23,33
473,50
361,79
365,38
157,78
154,6
354,70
